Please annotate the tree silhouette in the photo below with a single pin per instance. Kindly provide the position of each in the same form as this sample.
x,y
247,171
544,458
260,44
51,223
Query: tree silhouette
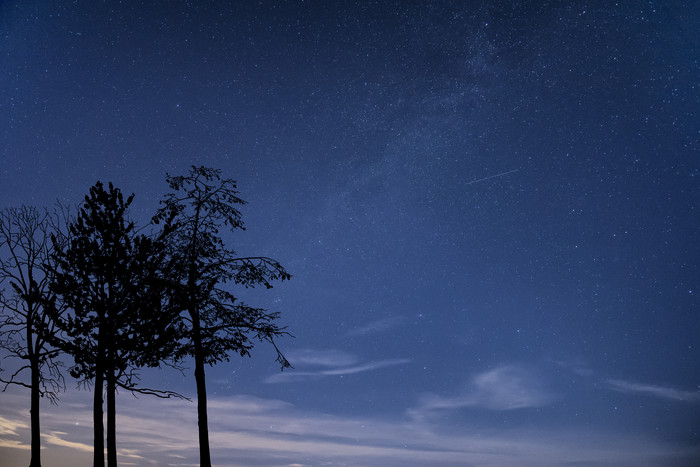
x,y
26,248
109,278
216,323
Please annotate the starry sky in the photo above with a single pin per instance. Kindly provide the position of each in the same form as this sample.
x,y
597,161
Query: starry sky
x,y
489,210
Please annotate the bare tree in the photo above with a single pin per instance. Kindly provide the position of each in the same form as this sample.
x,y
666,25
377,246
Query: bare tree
x,y
215,323
26,247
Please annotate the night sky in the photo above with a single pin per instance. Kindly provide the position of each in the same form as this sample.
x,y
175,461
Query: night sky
x,y
489,210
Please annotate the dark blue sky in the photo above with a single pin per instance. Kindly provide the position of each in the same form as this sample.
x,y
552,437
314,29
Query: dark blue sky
x,y
489,210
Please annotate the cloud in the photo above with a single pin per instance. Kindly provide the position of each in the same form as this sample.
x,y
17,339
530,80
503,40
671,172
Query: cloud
x,y
366,367
341,371
253,431
328,358
334,363
9,431
576,365
59,439
630,387
507,387
10,427
10,443
376,327
662,392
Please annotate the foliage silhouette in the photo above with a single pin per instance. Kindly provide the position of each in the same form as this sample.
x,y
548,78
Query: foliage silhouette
x,y
26,247
110,279
215,323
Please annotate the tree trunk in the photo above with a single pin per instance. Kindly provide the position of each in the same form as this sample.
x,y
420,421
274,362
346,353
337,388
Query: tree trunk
x,y
98,427
202,419
111,420
35,389
34,411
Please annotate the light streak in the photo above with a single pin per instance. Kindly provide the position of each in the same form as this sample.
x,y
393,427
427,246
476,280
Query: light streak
x,y
492,176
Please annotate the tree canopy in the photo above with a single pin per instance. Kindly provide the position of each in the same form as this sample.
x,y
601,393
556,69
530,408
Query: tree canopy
x,y
216,323
109,278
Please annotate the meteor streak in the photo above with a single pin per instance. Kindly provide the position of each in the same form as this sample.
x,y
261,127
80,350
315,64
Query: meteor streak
x,y
492,176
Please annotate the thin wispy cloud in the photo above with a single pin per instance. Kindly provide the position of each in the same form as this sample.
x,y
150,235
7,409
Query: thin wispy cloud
x,y
9,433
338,363
366,367
327,357
651,390
319,363
631,387
10,427
376,327
58,438
577,366
507,387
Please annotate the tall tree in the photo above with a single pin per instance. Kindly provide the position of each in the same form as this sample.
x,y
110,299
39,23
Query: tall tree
x,y
217,324
108,276
26,247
